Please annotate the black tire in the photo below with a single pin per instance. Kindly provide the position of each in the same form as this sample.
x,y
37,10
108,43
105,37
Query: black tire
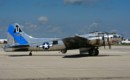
x,y
93,52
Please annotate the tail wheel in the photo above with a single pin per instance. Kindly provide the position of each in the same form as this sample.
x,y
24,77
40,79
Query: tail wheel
x,y
93,52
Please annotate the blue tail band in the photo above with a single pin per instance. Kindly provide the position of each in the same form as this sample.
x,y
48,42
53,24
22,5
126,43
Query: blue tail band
x,y
17,35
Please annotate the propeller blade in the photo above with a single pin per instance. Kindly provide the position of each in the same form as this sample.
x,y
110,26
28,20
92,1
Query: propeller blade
x,y
108,40
103,38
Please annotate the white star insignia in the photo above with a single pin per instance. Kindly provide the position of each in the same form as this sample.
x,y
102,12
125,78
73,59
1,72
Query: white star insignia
x,y
46,46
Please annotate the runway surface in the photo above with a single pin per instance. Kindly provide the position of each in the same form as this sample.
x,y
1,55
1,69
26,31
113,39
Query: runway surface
x,y
111,64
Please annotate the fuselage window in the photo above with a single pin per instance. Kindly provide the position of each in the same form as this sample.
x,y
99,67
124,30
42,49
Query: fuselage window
x,y
55,42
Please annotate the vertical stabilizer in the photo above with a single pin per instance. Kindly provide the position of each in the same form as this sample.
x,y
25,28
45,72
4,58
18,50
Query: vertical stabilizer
x,y
15,35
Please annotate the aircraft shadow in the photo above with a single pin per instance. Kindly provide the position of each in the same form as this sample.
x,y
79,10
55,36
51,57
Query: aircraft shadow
x,y
17,55
85,55
64,56
30,56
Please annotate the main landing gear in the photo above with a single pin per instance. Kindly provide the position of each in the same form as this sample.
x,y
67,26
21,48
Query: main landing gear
x,y
93,52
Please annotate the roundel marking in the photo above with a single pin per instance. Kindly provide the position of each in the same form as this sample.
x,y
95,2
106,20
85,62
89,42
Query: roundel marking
x,y
46,45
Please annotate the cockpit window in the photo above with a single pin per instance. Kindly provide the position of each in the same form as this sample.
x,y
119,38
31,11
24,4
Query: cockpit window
x,y
92,36
114,36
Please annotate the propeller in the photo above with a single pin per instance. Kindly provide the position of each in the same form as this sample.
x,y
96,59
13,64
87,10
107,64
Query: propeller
x,y
103,38
108,40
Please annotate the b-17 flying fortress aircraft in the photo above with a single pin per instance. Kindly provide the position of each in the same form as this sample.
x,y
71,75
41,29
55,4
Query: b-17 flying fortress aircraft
x,y
87,43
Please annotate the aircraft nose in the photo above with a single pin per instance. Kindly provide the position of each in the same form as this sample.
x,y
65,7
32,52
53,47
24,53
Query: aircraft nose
x,y
116,40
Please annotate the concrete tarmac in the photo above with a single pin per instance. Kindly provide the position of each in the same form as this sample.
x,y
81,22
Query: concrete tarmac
x,y
111,64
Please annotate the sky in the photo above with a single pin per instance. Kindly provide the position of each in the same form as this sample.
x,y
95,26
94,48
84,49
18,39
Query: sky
x,y
63,18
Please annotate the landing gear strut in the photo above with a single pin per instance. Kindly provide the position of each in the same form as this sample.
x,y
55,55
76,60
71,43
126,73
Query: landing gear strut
x,y
30,54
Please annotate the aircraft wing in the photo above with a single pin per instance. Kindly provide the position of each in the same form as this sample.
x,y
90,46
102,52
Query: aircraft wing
x,y
76,42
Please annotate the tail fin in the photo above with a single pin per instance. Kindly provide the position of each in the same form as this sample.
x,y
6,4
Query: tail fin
x,y
16,35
